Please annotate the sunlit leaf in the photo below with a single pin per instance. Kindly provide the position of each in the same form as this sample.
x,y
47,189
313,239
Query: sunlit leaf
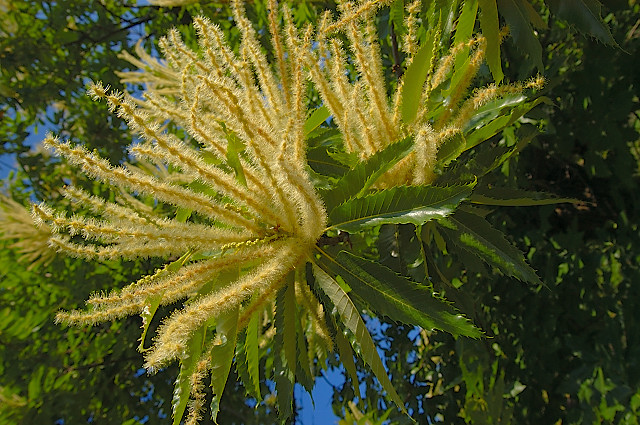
x,y
491,30
498,124
151,306
415,77
464,31
399,205
316,118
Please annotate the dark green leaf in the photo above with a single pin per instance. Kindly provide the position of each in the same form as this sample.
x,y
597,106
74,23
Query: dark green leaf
x,y
305,377
397,297
284,346
515,197
520,29
351,319
188,364
396,16
288,329
474,234
248,361
585,15
451,149
323,163
346,357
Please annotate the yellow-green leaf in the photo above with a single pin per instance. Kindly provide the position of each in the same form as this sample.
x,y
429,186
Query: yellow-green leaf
x,y
491,31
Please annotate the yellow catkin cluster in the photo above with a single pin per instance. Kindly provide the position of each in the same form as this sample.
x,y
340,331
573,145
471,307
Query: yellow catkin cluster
x,y
16,226
367,119
261,218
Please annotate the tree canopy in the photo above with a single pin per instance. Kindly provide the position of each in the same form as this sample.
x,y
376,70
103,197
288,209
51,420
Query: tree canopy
x,y
414,148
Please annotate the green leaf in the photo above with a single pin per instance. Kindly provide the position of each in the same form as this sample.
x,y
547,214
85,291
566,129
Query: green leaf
x,y
346,357
397,297
234,147
396,16
415,77
252,352
491,30
489,157
323,162
318,116
451,149
153,302
533,16
494,127
520,29
183,214
399,205
35,384
150,307
248,361
188,364
305,377
585,15
284,346
515,197
351,319
464,30
466,22
475,235
222,355
289,324
358,180
492,110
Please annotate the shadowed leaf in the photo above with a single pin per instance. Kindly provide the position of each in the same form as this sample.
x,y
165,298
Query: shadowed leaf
x,y
396,296
351,319
476,236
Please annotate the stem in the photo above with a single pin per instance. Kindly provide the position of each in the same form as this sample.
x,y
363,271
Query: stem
x,y
397,67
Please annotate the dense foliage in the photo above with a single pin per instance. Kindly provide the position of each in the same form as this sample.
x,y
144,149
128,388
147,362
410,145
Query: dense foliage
x,y
564,353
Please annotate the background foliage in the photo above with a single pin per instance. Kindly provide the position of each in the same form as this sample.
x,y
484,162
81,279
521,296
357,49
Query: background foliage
x,y
566,353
